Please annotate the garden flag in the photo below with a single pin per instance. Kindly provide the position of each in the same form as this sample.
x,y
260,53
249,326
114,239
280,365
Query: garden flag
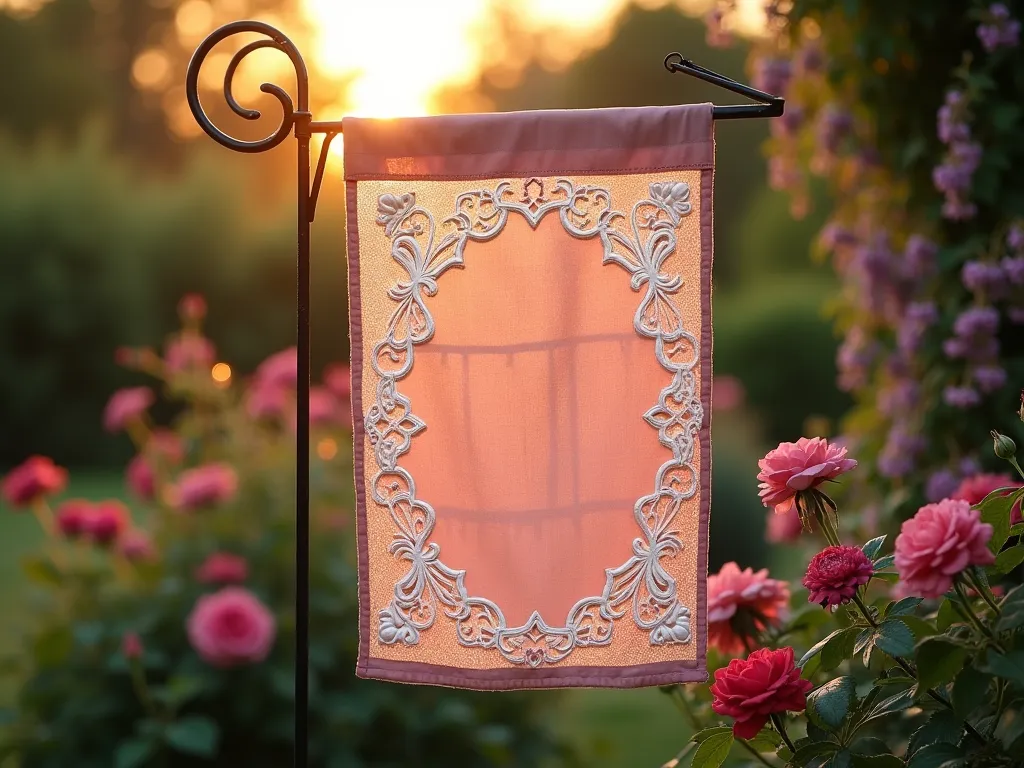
x,y
530,298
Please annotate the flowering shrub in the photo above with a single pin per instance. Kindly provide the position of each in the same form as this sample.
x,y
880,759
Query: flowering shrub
x,y
911,658
911,113
164,634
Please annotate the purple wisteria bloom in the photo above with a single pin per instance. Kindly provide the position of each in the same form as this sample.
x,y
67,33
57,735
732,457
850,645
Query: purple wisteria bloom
x,y
952,125
917,319
854,359
941,485
902,447
1000,30
961,397
985,278
1015,238
1013,268
772,75
919,257
834,124
989,378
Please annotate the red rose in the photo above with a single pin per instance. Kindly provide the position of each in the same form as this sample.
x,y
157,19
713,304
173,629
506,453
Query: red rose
x,y
750,690
72,517
835,574
30,481
106,521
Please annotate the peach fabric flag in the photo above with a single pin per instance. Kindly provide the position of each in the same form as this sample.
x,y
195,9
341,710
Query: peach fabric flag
x,y
530,299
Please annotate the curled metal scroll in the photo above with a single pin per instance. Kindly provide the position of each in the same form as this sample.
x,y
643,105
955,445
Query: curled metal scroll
x,y
275,40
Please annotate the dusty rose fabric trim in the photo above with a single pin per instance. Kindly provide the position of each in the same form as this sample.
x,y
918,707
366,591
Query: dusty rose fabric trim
x,y
478,146
707,256
504,679
355,321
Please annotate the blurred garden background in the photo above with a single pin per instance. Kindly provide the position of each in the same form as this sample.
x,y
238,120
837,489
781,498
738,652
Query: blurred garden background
x,y
113,206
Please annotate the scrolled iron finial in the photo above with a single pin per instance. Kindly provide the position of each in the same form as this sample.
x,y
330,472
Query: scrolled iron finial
x,y
274,39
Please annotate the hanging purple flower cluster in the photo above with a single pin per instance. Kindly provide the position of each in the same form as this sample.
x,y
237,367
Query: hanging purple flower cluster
x,y
921,329
999,29
954,176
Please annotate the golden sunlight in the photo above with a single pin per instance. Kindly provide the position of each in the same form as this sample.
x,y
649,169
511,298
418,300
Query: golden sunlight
x,y
221,373
396,58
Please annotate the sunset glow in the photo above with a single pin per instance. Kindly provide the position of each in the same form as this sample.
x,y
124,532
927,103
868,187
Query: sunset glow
x,y
396,58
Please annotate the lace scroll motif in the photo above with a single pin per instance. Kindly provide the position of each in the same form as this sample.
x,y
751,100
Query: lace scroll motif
x,y
640,244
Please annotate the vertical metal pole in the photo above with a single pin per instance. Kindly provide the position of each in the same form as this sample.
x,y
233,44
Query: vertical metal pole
x,y
302,133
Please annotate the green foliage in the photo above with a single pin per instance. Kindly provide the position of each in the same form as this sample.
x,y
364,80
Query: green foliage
x,y
713,747
780,327
81,702
97,255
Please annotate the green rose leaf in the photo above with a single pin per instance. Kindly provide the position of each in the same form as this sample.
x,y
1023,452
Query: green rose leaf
x,y
947,616
1010,728
1013,610
194,735
767,740
895,703
713,750
1009,666
817,647
134,753
936,755
995,510
969,691
842,759
877,761
884,562
942,727
873,547
1009,559
828,706
839,648
904,607
807,752
938,661
702,736
894,638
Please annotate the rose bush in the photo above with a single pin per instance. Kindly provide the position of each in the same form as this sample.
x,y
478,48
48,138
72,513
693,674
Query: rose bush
x,y
911,658
163,634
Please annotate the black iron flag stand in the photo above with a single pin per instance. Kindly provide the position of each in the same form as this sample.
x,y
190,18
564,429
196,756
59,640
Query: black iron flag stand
x,y
297,120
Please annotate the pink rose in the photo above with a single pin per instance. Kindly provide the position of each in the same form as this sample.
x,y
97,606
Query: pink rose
x,y
207,486
338,379
32,480
223,568
323,409
267,401
140,479
799,466
71,517
784,527
280,369
975,488
740,602
189,352
136,546
939,542
729,393
231,627
105,522
126,406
